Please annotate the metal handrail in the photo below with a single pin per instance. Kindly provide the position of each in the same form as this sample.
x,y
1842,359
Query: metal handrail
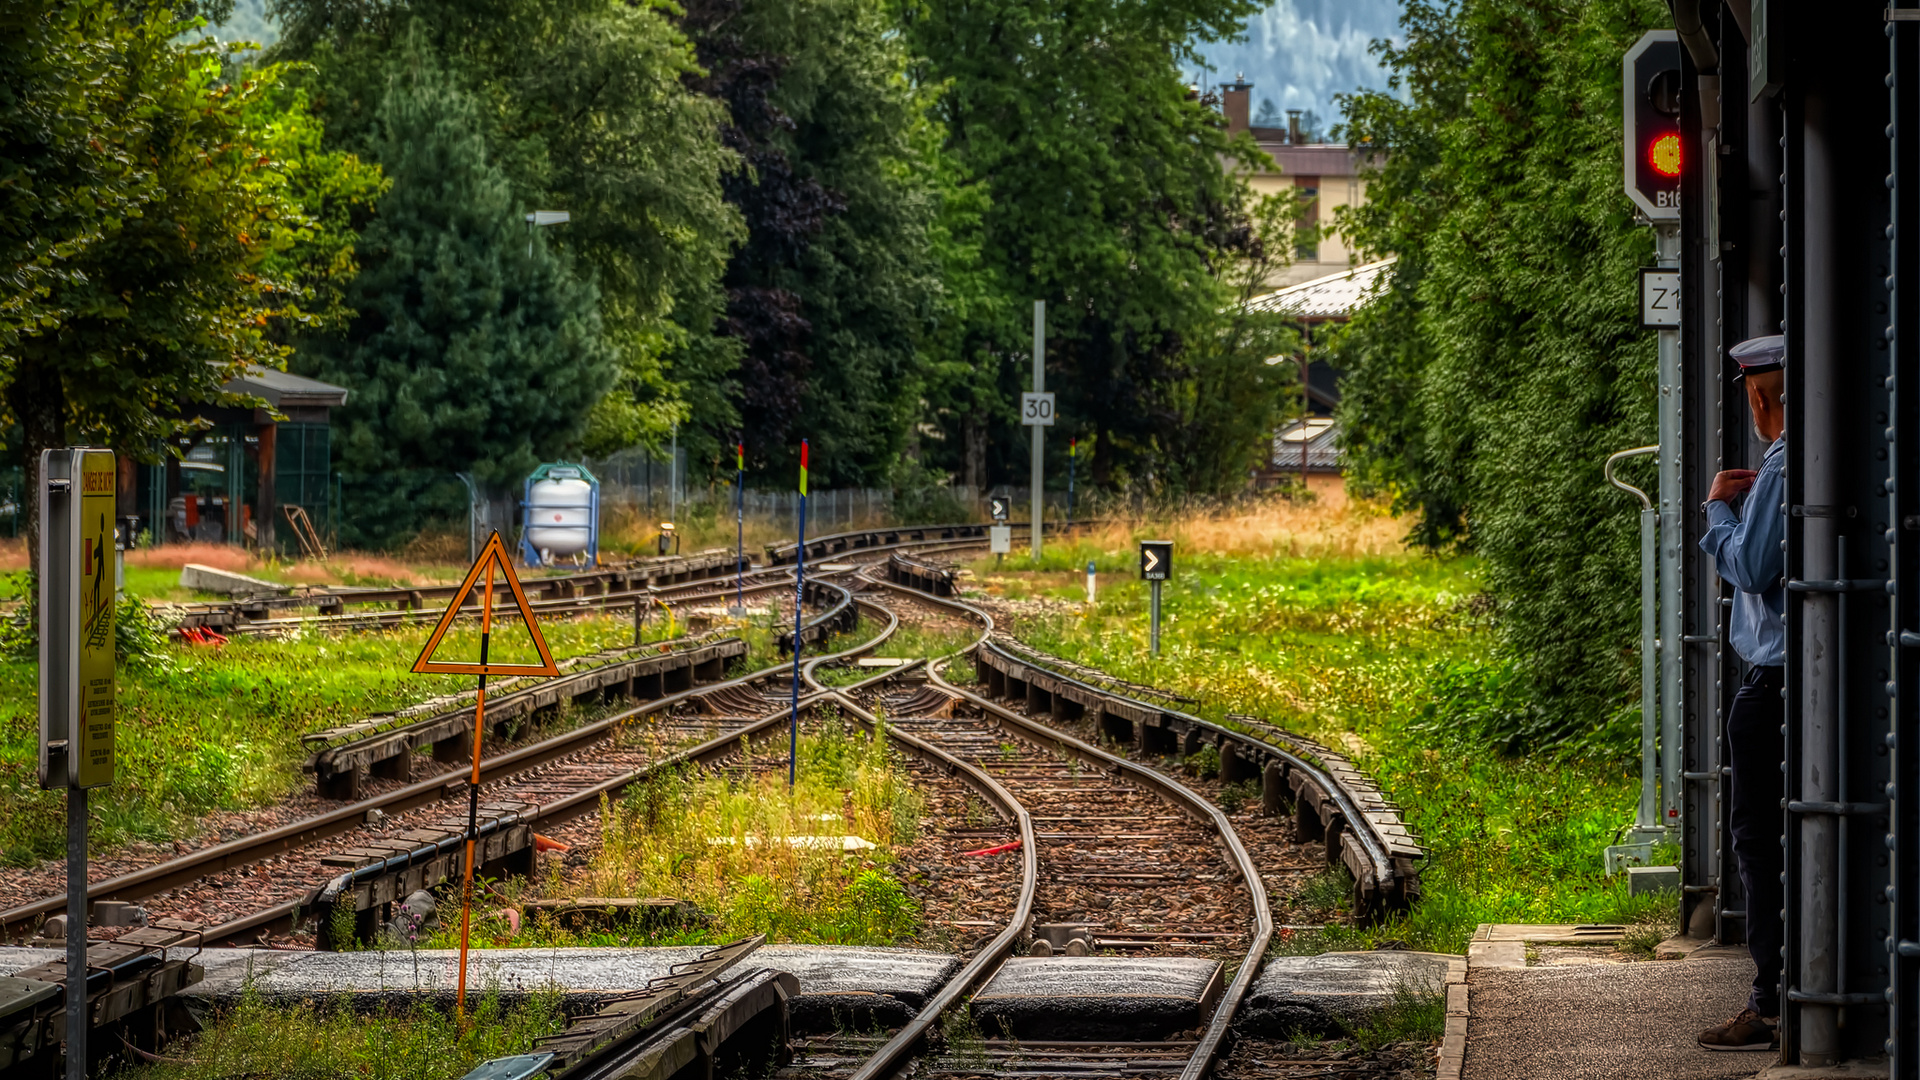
x,y
1607,471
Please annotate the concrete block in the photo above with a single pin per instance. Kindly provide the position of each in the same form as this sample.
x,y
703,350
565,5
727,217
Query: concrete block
x,y
1326,993
1652,879
214,580
118,913
1497,954
1098,997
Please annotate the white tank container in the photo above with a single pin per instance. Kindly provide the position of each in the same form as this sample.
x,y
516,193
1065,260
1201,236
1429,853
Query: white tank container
x,y
560,516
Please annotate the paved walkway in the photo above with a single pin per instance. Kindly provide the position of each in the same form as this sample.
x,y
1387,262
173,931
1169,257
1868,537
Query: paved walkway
x,y
1605,1021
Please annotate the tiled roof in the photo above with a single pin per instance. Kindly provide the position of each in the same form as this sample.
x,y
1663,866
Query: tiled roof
x,y
1336,296
1319,433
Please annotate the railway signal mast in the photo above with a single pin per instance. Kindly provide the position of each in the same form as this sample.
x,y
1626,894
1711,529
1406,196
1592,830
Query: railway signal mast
x,y
1653,159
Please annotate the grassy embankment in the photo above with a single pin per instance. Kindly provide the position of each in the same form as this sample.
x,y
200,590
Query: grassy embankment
x,y
754,855
321,1042
1317,621
219,728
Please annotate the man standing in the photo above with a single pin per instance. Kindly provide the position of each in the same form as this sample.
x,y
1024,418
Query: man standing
x,y
1747,550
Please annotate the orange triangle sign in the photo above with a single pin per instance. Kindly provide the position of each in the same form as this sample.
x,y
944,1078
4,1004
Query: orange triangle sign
x,y
493,560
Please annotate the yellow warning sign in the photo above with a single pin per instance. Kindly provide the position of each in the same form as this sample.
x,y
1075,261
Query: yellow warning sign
x,y
492,561
92,739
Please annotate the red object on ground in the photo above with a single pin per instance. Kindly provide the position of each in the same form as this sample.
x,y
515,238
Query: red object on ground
x,y
541,843
1002,849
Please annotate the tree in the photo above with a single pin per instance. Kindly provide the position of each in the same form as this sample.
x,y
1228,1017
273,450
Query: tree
x,y
149,230
474,346
1505,362
1107,197
834,286
582,108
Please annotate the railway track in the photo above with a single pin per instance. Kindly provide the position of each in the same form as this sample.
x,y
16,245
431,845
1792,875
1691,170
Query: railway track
x,y
579,759
1103,841
1112,837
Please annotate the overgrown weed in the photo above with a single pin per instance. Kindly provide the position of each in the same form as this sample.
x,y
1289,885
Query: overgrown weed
x,y
312,1041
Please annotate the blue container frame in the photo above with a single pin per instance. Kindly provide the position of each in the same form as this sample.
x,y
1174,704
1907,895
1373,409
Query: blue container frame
x,y
528,555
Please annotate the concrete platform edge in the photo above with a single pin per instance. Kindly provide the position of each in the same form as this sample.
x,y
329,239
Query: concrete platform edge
x,y
1453,1047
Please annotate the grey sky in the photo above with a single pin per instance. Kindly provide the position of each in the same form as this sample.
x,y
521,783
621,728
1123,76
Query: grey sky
x,y
1302,52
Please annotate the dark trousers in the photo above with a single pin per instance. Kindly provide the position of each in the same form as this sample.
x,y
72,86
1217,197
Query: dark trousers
x,y
1755,749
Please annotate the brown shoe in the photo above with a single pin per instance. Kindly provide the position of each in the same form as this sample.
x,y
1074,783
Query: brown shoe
x,y
1748,1031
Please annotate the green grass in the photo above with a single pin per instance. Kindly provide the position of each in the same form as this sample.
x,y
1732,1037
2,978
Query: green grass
x,y
219,728
311,1041
720,841
1348,651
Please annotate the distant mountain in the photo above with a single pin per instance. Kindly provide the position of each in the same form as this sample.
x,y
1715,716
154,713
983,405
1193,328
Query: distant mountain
x,y
1300,53
248,22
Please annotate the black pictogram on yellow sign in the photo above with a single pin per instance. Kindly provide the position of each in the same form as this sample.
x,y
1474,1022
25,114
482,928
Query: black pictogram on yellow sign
x,y
493,560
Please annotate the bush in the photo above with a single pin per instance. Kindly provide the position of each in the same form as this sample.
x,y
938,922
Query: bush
x,y
1496,705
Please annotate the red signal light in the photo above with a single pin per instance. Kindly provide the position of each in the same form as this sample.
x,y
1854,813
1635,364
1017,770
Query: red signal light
x,y
1664,154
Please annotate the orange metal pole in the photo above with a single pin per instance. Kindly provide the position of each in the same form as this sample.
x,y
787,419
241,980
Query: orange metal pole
x,y
473,800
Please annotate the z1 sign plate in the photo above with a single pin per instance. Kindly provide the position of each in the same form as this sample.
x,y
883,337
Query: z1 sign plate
x,y
1659,298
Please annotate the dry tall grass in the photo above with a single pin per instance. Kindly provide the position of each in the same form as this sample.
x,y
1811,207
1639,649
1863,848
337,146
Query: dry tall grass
x,y
1350,528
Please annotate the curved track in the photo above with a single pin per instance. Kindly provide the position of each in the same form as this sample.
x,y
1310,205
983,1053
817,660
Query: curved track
x,y
1175,832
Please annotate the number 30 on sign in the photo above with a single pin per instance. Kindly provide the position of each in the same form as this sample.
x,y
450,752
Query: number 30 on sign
x,y
1036,410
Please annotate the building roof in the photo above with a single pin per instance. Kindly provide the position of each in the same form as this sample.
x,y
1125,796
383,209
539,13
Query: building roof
x,y
1320,434
281,389
1309,159
1336,296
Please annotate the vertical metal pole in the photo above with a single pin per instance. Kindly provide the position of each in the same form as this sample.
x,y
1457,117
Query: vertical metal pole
x,y
473,800
1818,659
799,593
1153,634
1648,816
1672,572
673,478
1039,432
76,924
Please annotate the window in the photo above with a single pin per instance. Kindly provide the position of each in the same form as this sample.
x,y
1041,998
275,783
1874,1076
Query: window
x,y
1306,227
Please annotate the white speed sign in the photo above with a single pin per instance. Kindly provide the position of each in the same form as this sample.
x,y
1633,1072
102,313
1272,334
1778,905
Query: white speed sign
x,y
1036,410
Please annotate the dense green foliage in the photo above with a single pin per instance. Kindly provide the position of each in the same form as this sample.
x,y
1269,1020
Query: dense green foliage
x,y
578,106
475,347
1488,385
1089,175
156,221
824,219
828,297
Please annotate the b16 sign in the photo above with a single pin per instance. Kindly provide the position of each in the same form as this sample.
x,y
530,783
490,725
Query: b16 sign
x,y
1156,560
1655,154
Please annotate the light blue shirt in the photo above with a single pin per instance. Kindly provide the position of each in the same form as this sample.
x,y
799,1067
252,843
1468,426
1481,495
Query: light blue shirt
x,y
1747,551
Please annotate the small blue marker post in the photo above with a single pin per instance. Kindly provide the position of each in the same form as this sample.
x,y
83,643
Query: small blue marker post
x,y
740,526
799,593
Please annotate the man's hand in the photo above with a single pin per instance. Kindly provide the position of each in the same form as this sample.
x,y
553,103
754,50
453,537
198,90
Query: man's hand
x,y
1730,484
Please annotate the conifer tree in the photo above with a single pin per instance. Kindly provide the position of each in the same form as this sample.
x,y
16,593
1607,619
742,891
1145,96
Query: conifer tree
x,y
475,346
